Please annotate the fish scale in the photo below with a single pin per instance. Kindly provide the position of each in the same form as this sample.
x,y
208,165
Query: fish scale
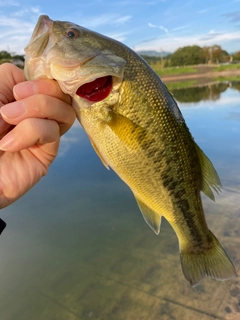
x,y
139,132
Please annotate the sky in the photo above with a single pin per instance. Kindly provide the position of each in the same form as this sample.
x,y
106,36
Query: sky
x,y
160,25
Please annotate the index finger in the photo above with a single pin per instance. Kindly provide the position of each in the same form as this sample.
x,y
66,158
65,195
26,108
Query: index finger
x,y
10,75
48,87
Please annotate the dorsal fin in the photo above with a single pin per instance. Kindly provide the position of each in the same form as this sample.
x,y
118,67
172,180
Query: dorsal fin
x,y
152,218
211,179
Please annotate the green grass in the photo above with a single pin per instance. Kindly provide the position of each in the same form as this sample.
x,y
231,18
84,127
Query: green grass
x,y
190,69
227,67
175,70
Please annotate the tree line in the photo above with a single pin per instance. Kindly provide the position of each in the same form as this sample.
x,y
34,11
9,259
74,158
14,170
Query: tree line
x,y
193,55
185,56
17,59
4,55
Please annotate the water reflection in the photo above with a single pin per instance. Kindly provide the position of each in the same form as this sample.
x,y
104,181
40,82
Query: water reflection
x,y
76,246
211,91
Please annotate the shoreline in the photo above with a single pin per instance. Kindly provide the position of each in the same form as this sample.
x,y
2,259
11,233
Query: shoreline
x,y
210,74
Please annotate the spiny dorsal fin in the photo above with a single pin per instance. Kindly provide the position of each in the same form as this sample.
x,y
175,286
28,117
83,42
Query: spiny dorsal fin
x,y
152,218
211,179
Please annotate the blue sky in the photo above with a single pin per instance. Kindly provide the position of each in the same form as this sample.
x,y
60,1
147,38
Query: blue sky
x,y
161,25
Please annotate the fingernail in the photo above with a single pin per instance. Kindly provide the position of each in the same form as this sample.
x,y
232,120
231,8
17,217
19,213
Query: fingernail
x,y
13,110
7,142
24,89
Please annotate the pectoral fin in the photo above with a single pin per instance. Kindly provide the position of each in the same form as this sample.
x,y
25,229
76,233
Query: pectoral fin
x,y
126,130
152,218
211,179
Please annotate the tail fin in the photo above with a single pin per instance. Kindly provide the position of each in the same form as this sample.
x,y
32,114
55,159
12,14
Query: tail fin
x,y
213,263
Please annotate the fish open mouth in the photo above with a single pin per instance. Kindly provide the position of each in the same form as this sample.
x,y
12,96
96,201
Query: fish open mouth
x,y
96,90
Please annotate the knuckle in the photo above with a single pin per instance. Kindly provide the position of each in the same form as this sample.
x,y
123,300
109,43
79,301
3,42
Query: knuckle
x,y
36,105
45,130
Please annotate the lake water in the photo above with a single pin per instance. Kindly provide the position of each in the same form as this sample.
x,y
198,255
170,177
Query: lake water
x,y
77,247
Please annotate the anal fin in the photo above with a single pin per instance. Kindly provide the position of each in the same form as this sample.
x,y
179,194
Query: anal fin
x,y
210,177
152,218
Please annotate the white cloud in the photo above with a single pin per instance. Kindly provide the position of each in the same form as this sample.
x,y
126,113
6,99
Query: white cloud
x,y
181,28
203,11
172,43
123,20
36,10
25,11
97,21
118,36
140,3
105,19
225,36
14,23
158,27
7,3
164,29
212,32
16,28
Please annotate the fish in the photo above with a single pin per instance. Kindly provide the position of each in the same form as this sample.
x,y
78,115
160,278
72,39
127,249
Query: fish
x,y
137,129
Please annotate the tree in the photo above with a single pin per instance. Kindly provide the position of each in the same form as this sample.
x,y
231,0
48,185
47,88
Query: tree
x,y
236,56
18,57
189,55
215,54
225,56
5,55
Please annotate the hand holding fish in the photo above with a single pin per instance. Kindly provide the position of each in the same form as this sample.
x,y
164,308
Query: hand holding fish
x,y
34,114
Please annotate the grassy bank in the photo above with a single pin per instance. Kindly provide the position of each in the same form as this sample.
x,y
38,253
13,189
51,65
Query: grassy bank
x,y
176,70
192,76
227,67
186,70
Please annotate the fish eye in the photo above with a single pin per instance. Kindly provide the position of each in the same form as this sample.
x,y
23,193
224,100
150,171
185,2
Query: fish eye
x,y
72,33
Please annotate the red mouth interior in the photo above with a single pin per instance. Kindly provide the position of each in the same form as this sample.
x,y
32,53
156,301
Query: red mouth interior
x,y
96,90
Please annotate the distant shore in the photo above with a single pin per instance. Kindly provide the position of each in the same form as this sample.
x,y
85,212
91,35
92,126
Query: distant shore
x,y
208,74
197,71
198,76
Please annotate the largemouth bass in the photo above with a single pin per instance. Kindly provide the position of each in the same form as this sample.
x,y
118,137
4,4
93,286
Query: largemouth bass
x,y
137,129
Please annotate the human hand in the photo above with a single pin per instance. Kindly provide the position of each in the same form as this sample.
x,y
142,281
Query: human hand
x,y
34,114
